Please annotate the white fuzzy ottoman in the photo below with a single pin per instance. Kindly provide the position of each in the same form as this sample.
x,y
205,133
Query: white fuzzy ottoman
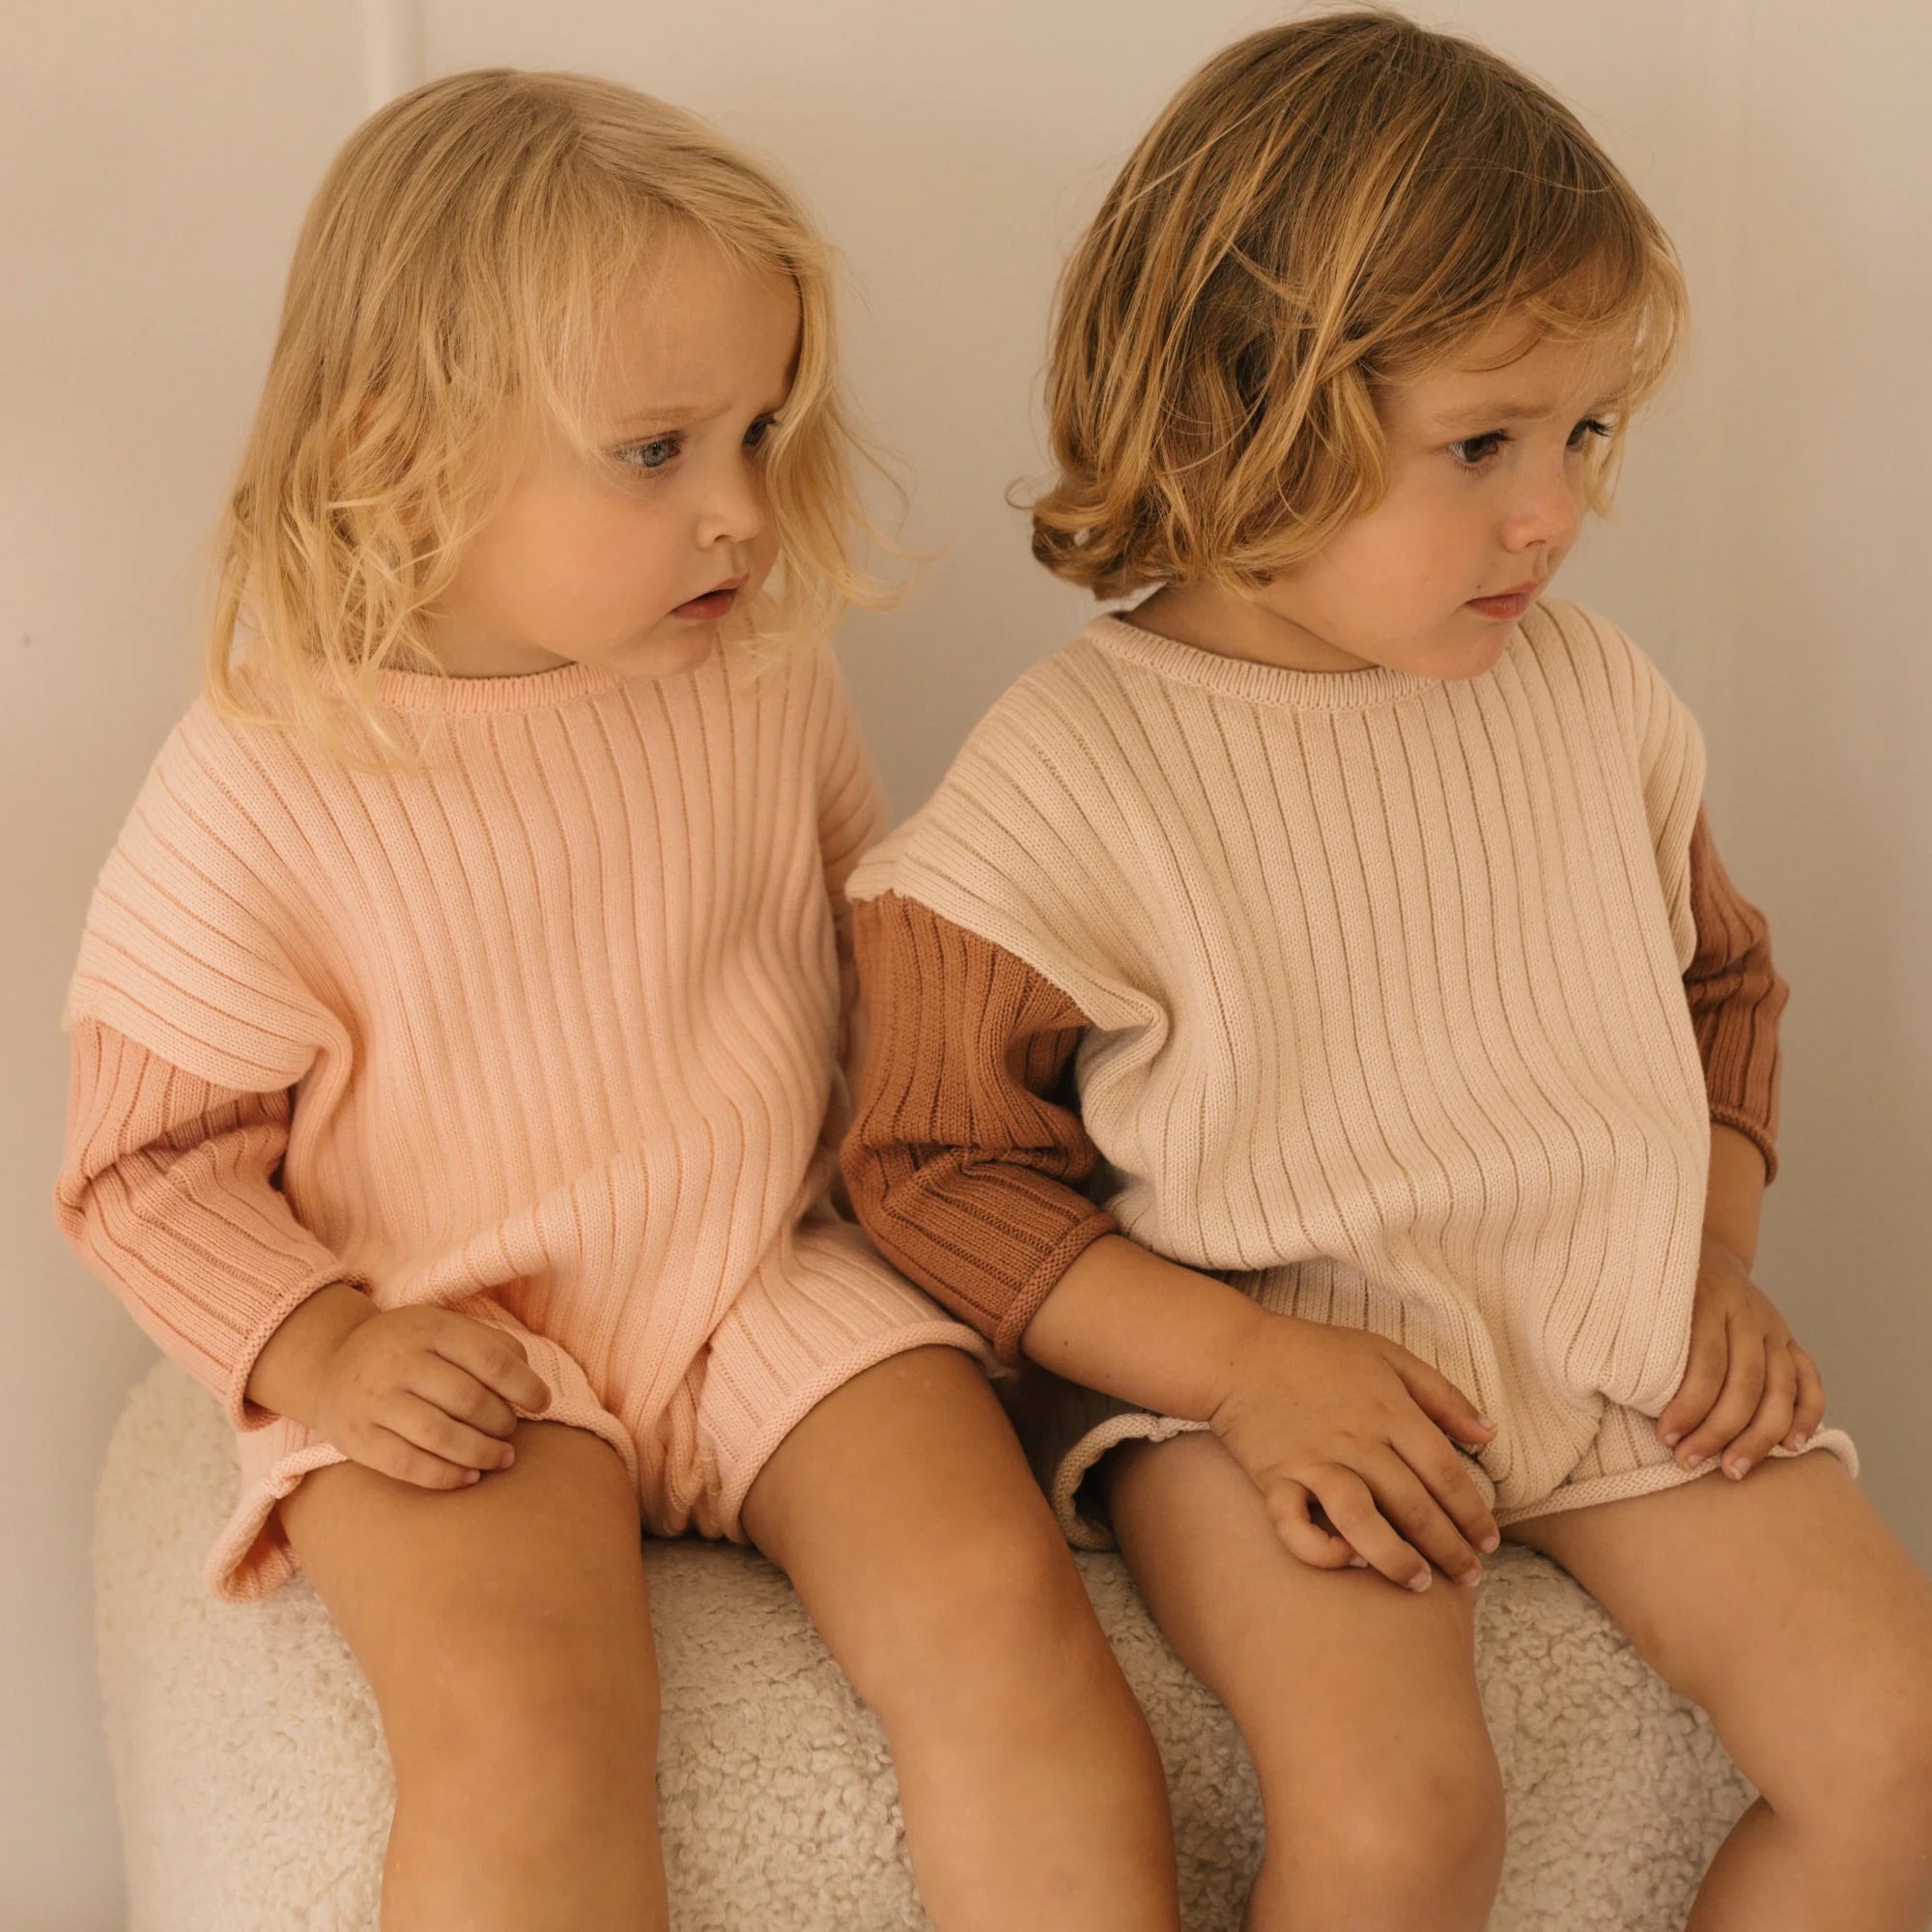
x,y
255,1789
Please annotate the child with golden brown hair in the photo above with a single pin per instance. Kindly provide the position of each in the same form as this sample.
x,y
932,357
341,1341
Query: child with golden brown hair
x,y
1312,1020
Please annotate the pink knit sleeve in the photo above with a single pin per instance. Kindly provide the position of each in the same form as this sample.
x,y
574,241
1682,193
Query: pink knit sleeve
x,y
168,1191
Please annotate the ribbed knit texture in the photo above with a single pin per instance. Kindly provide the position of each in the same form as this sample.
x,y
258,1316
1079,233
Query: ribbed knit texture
x,y
1384,988
547,1032
967,1158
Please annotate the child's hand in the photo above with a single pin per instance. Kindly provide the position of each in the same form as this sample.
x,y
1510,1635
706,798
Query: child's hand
x,y
1342,1419
1748,1384
422,1394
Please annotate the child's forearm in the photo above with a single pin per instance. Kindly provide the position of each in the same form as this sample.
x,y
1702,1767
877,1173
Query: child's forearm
x,y
1734,1198
1127,1323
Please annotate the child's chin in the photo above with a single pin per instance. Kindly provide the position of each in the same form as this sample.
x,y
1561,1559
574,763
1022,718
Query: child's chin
x,y
675,648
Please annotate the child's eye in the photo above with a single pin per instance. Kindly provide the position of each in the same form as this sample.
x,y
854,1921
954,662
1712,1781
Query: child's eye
x,y
1474,451
759,430
651,455
1590,426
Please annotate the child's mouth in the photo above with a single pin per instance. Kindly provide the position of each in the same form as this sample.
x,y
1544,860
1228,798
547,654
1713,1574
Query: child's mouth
x,y
1511,604
714,603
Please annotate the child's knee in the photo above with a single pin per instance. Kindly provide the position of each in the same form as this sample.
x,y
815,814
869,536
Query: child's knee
x,y
532,1712
1417,1847
988,1605
1868,1781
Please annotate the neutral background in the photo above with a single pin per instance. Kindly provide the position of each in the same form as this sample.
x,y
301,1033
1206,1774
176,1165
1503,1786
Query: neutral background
x,y
154,161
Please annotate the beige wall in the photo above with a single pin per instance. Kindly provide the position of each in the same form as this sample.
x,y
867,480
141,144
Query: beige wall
x,y
156,163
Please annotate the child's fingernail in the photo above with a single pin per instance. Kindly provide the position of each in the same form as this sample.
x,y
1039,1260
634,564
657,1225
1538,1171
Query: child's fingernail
x,y
1738,1467
1492,1543
1803,1436
1484,1422
1420,1582
472,1476
1358,1563
1672,1437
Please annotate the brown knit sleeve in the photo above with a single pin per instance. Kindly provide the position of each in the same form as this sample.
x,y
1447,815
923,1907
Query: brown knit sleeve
x,y
965,1161
169,1190
1736,996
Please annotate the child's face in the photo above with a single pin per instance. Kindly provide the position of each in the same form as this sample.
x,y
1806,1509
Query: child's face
x,y
634,570
1486,472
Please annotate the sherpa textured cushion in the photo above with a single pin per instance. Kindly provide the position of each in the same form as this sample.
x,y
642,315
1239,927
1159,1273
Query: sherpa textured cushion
x,y
255,1789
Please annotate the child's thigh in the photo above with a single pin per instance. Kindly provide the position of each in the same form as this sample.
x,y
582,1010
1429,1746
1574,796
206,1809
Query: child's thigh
x,y
903,1511
1786,1609
1357,1699
494,1622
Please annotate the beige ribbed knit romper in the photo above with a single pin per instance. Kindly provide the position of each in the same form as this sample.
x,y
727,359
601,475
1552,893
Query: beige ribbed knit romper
x,y
548,1032
1367,993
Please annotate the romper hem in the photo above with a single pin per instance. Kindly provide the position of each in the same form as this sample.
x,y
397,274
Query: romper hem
x,y
1063,1474
1660,1476
876,1348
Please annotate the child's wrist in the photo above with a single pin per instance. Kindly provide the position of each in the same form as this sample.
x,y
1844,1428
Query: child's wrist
x,y
1148,1329
288,1371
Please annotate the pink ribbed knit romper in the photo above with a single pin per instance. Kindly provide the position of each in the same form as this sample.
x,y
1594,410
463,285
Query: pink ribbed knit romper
x,y
548,1032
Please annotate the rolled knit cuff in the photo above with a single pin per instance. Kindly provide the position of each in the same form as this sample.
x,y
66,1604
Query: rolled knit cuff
x,y
1753,1130
242,1414
1054,1264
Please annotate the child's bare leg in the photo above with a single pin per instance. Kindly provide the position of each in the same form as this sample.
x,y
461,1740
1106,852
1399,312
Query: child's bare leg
x,y
1786,1608
1380,1794
505,1634
905,1516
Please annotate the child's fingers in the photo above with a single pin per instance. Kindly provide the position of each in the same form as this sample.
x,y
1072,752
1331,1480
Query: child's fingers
x,y
1810,1409
1444,1403
1289,1510
1431,1455
1351,1506
458,1393
495,1359
385,1452
1703,1379
1403,1498
1737,1401
425,1427
1772,1420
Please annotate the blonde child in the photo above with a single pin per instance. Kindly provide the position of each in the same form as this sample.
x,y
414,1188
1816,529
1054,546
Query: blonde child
x,y
1312,1015
457,1030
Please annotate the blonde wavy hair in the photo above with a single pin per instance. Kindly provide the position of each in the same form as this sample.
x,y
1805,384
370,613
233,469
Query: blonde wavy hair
x,y
1325,206
462,259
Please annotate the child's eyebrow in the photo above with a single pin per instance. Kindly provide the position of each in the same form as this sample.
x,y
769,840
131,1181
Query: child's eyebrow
x,y
1509,413
666,416
680,416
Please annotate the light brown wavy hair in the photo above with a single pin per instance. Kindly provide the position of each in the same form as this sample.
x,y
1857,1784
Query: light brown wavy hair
x,y
1325,206
461,261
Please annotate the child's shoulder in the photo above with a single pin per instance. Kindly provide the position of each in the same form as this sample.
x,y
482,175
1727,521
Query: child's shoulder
x,y
1063,710
1556,630
216,776
1624,693
218,828
1042,766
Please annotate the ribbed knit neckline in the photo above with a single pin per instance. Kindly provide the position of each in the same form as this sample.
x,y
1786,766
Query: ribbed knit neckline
x,y
532,691
1256,683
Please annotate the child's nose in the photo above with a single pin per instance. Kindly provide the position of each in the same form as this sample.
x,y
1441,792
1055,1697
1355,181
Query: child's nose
x,y
734,508
1551,513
